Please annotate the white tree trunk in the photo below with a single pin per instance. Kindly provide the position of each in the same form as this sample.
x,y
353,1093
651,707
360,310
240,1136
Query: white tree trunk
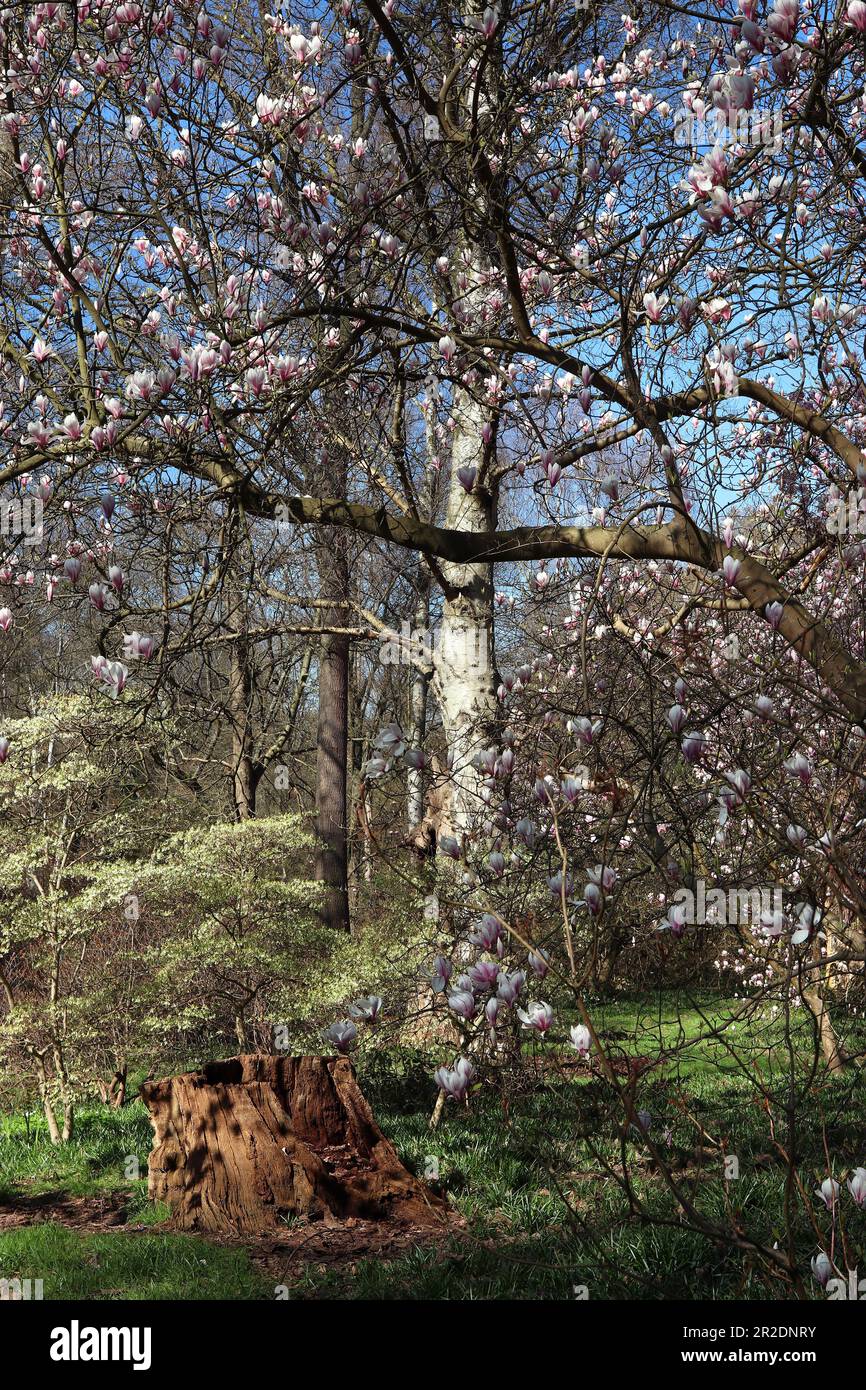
x,y
464,667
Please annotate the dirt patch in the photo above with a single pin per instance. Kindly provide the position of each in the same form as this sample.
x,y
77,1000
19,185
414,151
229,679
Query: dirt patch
x,y
103,1212
281,1256
342,1244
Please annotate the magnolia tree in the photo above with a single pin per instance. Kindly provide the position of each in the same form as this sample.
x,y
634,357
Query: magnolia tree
x,y
562,305
249,259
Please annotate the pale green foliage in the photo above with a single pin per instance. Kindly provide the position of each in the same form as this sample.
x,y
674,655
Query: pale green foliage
x,y
387,955
242,918
72,820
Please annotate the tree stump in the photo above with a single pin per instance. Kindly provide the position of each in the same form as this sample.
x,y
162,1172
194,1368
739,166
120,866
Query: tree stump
x,y
244,1142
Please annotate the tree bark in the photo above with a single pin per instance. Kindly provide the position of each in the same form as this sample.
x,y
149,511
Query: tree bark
x,y
246,1142
464,664
332,742
831,1049
240,682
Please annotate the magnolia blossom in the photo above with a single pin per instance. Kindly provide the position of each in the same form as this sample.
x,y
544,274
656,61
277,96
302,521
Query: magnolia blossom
x,y
112,674
509,986
484,974
455,1082
4,749
368,1008
799,766
676,717
6,619
538,963
487,932
581,1039
137,646
442,969
809,918
341,1034
536,1016
821,1269
675,922
462,1003
828,1192
857,1186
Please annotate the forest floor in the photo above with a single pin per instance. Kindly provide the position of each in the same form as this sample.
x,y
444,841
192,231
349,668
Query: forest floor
x,y
541,1204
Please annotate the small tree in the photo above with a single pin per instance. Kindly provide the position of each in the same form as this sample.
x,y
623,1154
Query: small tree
x,y
73,816
243,925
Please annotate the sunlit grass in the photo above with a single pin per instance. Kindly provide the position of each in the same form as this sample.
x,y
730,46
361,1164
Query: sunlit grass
x,y
74,1265
539,1180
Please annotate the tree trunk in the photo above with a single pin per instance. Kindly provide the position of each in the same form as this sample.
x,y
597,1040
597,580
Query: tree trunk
x,y
47,1106
332,865
464,678
241,681
245,1142
831,1049
332,735
239,702
419,681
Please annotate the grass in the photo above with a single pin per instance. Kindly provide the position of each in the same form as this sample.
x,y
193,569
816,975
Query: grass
x,y
549,1207
111,1267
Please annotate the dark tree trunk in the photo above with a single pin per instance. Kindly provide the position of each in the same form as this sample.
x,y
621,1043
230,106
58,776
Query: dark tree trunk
x,y
241,681
332,741
243,1143
240,698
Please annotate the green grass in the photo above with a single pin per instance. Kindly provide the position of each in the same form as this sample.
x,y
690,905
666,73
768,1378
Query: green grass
x,y
100,1158
537,1184
110,1267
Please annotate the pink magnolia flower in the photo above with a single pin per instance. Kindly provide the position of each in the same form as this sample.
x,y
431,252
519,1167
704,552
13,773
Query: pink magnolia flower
x,y
828,1192
111,674
442,970
138,647
783,20
341,1034
6,619
799,766
455,1082
821,1269
857,1186
447,347
693,745
462,1003
676,717
654,306
367,1008
509,986
538,1017
538,963
484,974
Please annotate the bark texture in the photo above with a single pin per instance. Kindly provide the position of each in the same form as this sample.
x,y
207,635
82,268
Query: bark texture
x,y
244,1142
332,739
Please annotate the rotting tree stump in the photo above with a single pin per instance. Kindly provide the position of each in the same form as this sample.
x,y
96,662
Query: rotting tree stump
x,y
244,1142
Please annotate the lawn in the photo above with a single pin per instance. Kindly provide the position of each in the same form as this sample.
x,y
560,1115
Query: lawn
x,y
558,1196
